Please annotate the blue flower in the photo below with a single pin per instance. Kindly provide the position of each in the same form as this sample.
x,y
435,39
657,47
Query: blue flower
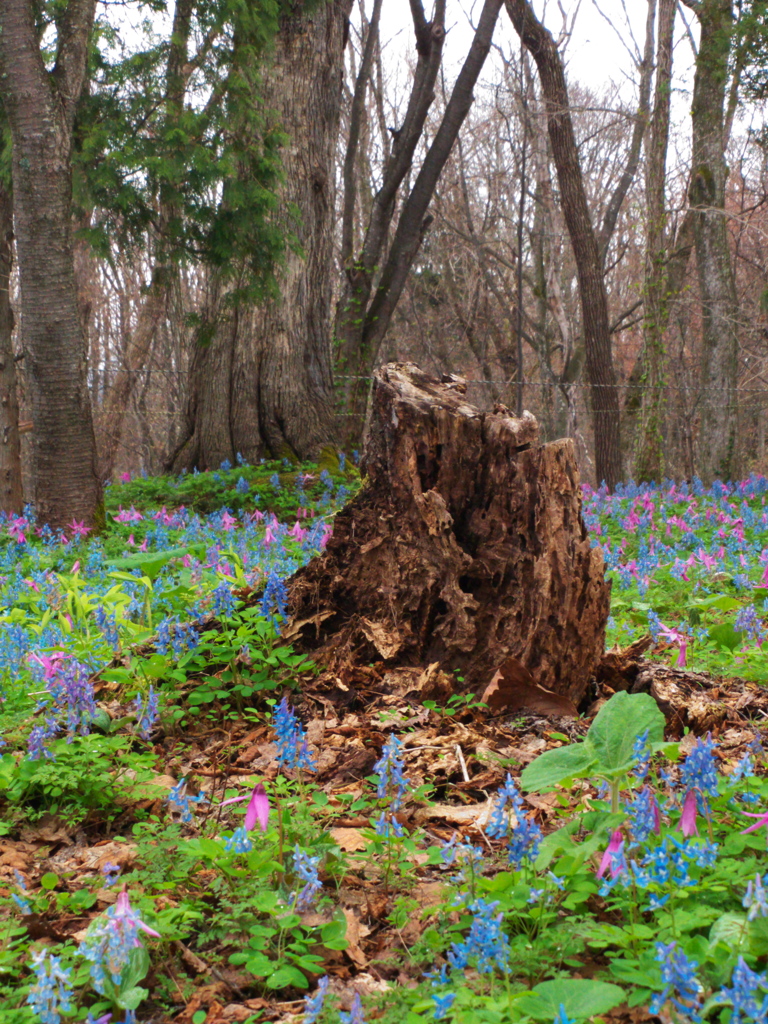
x,y
355,1015
699,771
306,869
443,1003
313,1005
754,899
51,992
681,987
486,947
238,841
525,838
741,994
292,749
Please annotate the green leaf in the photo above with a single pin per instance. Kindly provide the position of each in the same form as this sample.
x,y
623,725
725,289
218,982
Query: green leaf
x,y
581,998
131,998
135,971
287,976
618,724
725,635
555,766
49,880
730,932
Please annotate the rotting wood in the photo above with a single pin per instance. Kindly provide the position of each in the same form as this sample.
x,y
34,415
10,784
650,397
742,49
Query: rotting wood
x,y
465,547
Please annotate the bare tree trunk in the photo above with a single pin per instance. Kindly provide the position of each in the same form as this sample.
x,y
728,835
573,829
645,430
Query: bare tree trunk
x,y
718,455
586,247
374,284
261,376
40,106
11,497
153,307
649,463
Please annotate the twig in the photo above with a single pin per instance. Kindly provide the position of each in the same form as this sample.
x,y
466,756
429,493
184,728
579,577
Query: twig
x,y
462,762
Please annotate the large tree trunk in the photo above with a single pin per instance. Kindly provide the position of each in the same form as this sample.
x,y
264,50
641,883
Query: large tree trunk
x,y
261,376
604,394
11,497
718,455
466,547
40,106
649,463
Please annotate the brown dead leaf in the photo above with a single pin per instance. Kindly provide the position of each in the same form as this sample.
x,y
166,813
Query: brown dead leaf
x,y
49,829
350,840
386,640
459,815
513,689
206,996
356,930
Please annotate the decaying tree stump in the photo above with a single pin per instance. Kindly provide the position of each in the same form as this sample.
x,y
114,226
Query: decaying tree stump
x,y
465,547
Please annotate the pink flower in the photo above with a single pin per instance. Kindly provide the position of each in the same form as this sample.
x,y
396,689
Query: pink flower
x,y
228,522
613,858
762,820
186,561
125,478
688,818
298,532
258,807
125,915
31,583
269,536
79,529
76,568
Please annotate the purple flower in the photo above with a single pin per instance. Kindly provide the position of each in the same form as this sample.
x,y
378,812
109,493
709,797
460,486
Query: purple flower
x,y
688,817
313,1005
613,859
355,1015
258,808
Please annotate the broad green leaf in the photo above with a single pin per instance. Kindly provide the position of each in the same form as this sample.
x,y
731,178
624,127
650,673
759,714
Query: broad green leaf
x,y
581,998
134,971
618,724
131,998
555,766
726,636
730,931
287,976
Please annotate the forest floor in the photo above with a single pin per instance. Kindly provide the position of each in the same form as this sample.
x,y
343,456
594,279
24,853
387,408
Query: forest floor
x,y
434,858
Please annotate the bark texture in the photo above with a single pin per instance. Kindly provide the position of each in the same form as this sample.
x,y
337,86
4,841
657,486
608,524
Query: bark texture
x,y
718,427
649,463
11,497
261,376
604,395
40,106
466,547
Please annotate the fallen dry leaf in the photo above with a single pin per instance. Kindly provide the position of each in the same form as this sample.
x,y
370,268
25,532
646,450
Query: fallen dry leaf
x,y
461,815
513,689
349,839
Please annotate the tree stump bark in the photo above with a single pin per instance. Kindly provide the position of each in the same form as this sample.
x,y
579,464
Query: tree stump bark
x,y
466,547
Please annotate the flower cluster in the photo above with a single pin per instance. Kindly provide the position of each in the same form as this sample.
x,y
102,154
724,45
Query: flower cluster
x,y
146,715
305,867
392,787
50,995
486,947
292,749
524,837
180,801
110,940
681,987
